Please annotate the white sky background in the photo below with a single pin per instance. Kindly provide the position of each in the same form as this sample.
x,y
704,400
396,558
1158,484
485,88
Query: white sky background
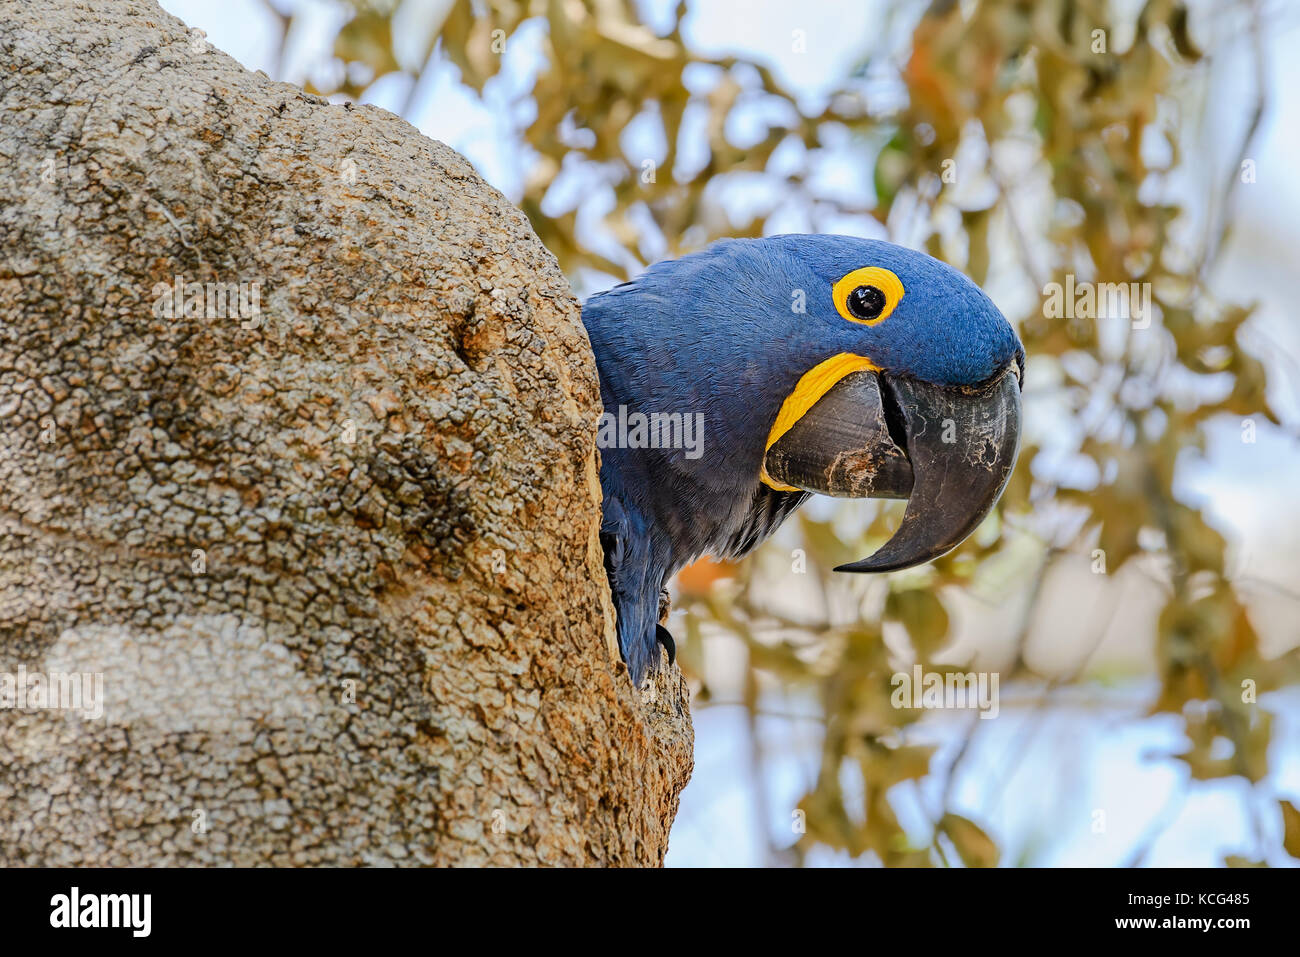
x,y
1250,490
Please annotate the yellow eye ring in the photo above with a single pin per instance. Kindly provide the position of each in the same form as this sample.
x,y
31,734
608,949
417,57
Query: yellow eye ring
x,y
867,308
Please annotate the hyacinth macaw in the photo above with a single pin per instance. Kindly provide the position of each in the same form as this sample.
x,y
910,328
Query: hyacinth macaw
x,y
831,364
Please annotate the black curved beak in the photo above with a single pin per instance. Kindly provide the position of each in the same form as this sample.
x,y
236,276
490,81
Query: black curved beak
x,y
948,451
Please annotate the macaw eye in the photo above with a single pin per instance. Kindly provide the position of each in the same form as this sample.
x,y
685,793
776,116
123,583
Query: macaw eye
x,y
866,303
867,295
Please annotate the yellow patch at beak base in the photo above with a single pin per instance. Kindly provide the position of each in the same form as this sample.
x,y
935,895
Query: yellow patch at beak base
x,y
816,382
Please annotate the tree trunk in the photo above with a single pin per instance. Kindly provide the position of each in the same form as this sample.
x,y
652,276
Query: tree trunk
x,y
297,450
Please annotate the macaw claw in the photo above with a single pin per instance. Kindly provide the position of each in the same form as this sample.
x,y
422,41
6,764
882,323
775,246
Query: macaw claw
x,y
665,638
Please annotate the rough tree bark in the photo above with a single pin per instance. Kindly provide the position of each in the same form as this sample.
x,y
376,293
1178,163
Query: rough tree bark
x,y
337,557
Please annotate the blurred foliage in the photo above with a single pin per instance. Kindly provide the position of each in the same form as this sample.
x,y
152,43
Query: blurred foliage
x,y
1058,124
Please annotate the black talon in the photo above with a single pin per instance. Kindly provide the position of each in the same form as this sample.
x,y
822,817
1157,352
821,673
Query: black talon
x,y
666,639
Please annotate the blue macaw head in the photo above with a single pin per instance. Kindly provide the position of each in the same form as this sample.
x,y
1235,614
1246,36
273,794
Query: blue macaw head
x,y
796,365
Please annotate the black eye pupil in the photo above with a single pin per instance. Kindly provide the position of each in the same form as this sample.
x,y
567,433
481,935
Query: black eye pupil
x,y
866,302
